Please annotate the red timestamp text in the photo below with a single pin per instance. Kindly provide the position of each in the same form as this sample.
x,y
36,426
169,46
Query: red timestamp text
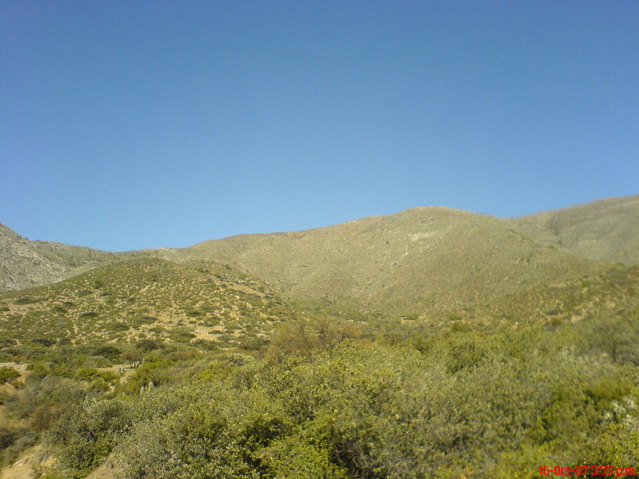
x,y
584,470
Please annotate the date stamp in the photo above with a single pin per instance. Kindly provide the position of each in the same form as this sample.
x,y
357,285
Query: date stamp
x,y
587,470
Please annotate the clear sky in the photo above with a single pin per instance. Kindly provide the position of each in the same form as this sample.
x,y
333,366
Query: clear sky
x,y
135,124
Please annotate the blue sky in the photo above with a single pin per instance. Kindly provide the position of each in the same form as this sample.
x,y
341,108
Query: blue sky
x,y
139,124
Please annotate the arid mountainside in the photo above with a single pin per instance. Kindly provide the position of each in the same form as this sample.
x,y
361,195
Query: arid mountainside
x,y
22,266
207,304
612,293
25,263
420,261
417,260
605,230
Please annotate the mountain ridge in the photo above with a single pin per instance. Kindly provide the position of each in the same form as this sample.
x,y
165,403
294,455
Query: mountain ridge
x,y
432,258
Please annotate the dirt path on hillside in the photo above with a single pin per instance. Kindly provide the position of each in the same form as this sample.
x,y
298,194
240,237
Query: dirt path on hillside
x,y
35,458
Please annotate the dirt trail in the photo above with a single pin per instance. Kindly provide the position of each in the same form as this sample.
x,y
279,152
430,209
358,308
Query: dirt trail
x,y
35,458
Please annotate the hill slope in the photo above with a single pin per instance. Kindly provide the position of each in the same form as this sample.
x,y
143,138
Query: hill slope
x,y
25,263
424,259
605,230
149,298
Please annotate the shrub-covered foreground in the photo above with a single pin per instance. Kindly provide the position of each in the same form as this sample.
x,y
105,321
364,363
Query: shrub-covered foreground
x,y
447,405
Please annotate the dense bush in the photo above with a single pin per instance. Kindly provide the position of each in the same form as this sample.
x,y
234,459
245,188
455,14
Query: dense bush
x,y
323,405
87,433
44,400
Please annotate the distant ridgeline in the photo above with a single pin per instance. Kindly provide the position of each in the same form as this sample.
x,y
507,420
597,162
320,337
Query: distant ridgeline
x,y
419,261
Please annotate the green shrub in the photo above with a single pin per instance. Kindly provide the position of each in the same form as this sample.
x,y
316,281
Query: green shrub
x,y
8,374
86,435
108,351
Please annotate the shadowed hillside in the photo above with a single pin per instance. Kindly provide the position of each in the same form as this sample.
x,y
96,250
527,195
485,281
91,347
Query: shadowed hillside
x,y
25,263
605,230
609,294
